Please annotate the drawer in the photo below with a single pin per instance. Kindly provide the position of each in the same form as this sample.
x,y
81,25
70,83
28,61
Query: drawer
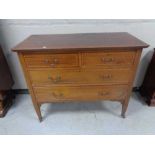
x,y
70,76
109,58
59,93
51,60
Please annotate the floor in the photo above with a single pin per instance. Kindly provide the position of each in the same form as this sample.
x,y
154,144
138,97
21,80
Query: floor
x,y
97,118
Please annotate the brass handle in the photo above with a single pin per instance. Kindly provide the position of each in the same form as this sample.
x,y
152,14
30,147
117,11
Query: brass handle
x,y
46,61
60,95
103,93
107,76
55,61
52,65
57,79
106,60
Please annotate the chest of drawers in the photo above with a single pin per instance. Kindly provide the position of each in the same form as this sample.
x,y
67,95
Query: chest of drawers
x,y
83,67
6,83
147,89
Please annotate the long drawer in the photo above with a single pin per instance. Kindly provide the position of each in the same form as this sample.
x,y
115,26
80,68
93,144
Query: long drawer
x,y
51,60
73,76
62,93
108,59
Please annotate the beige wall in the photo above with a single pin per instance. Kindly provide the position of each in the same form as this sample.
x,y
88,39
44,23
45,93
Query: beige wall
x,y
14,31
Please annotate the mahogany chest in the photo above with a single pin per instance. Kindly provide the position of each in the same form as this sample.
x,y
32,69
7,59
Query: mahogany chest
x,y
80,67
6,83
147,89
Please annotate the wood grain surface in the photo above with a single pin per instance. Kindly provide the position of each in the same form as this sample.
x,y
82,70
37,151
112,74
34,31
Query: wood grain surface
x,y
80,41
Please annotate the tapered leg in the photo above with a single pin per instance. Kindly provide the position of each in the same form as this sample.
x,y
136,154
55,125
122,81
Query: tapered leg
x,y
35,104
124,107
38,111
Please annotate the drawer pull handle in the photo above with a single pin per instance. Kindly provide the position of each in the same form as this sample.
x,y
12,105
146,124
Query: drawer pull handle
x,y
52,65
60,95
107,77
107,60
55,61
57,79
103,93
46,61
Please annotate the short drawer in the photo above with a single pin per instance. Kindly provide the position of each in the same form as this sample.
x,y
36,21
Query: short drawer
x,y
60,93
70,76
51,60
108,58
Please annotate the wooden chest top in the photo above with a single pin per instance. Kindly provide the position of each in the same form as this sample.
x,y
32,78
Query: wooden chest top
x,y
79,41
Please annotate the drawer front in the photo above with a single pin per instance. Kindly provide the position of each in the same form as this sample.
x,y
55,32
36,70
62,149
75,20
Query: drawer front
x,y
51,60
60,93
97,76
106,59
